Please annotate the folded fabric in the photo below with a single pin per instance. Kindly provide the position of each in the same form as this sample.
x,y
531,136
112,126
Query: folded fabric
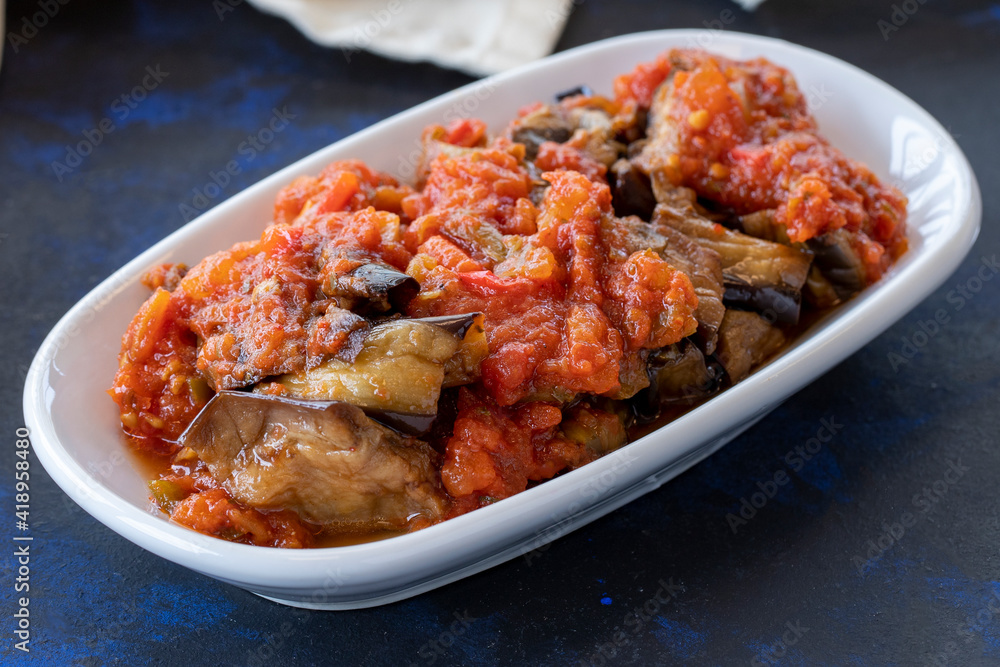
x,y
481,37
749,5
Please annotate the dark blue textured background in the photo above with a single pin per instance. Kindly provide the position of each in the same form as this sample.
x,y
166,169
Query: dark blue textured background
x,y
932,596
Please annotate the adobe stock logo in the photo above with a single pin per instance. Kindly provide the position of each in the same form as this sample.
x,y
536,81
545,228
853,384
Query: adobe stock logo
x,y
901,13
30,27
923,502
203,196
796,458
121,107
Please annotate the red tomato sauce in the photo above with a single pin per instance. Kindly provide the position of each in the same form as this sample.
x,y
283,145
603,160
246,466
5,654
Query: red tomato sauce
x,y
571,312
741,135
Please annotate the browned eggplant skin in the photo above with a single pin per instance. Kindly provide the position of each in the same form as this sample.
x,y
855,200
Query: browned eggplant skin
x,y
335,462
758,275
679,376
325,460
373,288
745,341
401,366
631,191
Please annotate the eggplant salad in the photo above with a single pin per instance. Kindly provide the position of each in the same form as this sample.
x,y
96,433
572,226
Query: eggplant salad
x,y
390,355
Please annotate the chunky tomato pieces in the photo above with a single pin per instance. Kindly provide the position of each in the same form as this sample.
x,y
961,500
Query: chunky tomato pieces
x,y
573,298
254,310
495,452
740,134
563,307
567,311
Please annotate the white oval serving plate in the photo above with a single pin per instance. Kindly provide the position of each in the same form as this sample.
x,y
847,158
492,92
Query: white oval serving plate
x,y
75,426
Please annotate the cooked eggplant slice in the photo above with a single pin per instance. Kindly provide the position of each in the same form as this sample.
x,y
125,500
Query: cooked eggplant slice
x,y
464,366
533,138
595,136
631,192
836,274
745,341
573,92
543,124
401,366
756,260
373,288
761,225
778,303
759,275
456,325
324,460
591,129
679,374
701,264
839,264
819,291
632,376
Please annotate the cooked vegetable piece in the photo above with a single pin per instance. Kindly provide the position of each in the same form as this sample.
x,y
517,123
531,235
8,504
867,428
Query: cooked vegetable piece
x,y
166,493
401,366
582,89
678,374
746,340
533,138
372,287
759,274
839,263
701,264
324,460
464,366
601,431
631,192
776,303
537,127
741,135
759,261
578,134
818,291
761,225
837,271
595,135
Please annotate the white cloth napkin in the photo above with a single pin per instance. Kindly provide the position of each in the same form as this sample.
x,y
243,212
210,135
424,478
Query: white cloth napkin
x,y
479,37
749,5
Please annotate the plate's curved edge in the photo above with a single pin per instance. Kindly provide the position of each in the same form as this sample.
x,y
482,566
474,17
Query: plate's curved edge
x,y
530,543
955,248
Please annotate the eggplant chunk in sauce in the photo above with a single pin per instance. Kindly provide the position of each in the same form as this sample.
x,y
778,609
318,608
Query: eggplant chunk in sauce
x,y
837,272
309,322
679,374
326,461
838,263
631,191
401,367
759,275
701,264
372,287
746,340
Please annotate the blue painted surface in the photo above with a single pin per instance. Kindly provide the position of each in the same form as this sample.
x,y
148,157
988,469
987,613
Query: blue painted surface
x,y
598,595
